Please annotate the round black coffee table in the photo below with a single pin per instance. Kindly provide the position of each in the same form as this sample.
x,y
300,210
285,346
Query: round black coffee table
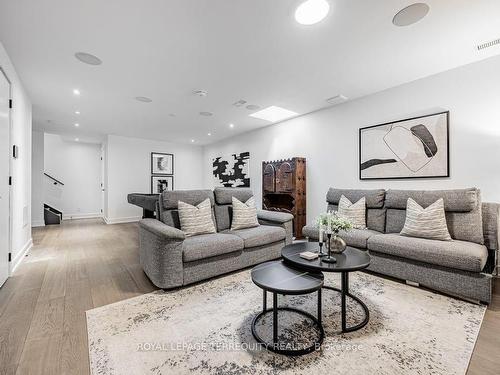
x,y
350,260
276,277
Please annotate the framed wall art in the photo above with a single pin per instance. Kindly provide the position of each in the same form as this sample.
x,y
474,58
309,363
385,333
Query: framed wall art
x,y
416,147
162,163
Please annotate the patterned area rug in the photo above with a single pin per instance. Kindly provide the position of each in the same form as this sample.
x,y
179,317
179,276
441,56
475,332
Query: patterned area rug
x,y
205,329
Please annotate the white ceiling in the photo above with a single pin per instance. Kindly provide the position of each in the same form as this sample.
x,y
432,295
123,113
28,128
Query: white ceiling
x,y
235,49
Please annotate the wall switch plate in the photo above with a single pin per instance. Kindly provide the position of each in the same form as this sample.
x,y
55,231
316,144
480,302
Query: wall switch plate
x,y
15,152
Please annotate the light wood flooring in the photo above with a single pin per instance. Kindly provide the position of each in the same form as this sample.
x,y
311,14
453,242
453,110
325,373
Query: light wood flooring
x,y
83,264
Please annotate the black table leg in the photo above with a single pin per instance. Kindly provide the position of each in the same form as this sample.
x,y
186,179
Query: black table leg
x,y
343,293
319,306
275,318
264,301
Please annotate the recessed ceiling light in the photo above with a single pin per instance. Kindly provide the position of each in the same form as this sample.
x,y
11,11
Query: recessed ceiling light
x,y
239,103
209,134
143,99
77,112
274,114
77,139
87,58
253,107
206,114
171,114
231,126
192,140
411,14
312,11
76,92
77,125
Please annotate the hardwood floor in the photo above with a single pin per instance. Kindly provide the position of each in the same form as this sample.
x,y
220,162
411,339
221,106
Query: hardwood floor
x,y
84,264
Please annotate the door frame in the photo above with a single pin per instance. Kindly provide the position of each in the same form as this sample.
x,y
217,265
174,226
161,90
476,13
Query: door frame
x,y
9,231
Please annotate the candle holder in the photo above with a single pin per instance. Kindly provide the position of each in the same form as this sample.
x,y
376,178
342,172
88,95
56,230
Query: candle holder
x,y
329,258
321,253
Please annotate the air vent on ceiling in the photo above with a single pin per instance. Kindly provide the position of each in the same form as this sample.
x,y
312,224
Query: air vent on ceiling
x,y
488,44
239,103
337,99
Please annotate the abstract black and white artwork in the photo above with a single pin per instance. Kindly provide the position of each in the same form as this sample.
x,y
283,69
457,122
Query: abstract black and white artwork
x,y
162,163
412,148
159,184
232,170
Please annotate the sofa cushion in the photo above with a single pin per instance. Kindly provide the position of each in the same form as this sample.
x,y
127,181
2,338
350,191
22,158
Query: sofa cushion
x,y
427,222
225,195
462,255
210,245
171,199
355,212
459,200
196,219
375,217
244,214
374,198
355,237
259,236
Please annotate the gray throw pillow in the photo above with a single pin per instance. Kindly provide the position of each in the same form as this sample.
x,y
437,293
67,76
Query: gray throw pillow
x,y
196,220
427,222
244,214
356,212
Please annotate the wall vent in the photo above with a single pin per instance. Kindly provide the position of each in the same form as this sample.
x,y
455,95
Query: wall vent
x,y
488,44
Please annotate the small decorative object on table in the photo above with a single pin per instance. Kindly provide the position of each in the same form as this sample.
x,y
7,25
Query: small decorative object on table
x,y
309,255
333,224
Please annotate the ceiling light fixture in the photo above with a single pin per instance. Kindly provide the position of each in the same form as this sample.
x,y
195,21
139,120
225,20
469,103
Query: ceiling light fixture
x,y
337,99
87,58
76,92
206,114
231,126
77,112
209,134
311,12
192,140
143,99
274,114
411,14
77,139
201,93
77,125
253,107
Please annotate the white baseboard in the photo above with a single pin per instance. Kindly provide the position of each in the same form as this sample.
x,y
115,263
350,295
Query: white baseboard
x,y
121,220
35,224
20,256
81,216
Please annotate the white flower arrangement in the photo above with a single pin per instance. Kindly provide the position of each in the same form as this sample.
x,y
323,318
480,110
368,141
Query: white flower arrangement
x,y
331,222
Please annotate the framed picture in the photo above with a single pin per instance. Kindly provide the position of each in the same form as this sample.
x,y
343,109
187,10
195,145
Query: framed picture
x,y
232,170
416,147
162,163
159,184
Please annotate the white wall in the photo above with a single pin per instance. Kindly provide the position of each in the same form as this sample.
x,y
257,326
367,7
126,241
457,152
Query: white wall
x,y
78,166
37,179
21,167
329,138
128,165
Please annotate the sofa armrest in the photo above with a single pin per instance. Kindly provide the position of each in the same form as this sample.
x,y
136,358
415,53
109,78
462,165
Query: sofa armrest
x,y
160,253
278,219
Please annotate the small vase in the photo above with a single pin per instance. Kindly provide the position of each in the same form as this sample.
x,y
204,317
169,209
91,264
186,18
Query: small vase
x,y
337,245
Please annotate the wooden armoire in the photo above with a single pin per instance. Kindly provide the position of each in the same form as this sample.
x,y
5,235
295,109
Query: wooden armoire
x,y
284,189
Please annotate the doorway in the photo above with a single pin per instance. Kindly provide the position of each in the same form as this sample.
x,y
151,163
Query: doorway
x,y
4,177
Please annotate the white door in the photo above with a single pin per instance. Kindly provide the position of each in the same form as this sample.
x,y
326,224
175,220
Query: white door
x,y
4,177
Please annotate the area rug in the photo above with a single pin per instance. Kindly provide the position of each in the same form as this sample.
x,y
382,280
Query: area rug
x,y
205,329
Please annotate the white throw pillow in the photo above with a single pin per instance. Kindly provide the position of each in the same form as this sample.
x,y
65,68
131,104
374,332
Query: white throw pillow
x,y
244,214
427,222
356,212
196,220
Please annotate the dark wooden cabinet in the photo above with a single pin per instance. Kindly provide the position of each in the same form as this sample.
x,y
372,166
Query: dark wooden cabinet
x,y
284,189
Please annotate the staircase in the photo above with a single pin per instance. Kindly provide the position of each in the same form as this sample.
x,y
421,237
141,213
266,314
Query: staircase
x,y
51,216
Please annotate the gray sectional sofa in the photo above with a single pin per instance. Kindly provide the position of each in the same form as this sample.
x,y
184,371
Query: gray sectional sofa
x,y
462,267
170,259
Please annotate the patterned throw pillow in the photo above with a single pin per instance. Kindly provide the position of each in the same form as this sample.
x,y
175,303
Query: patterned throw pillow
x,y
244,214
356,212
196,220
427,222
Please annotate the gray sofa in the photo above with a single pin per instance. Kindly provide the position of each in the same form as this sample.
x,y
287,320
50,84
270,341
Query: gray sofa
x,y
462,267
170,259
